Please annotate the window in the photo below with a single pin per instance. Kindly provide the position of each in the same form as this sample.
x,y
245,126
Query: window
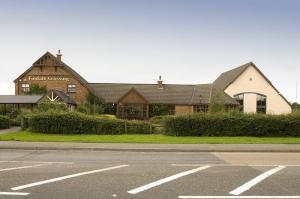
x,y
25,87
261,104
201,108
132,111
71,88
240,99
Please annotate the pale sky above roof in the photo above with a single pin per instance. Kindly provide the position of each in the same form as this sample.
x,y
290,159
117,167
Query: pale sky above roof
x,y
135,41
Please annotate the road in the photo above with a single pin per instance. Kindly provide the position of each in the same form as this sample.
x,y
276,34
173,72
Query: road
x,y
151,175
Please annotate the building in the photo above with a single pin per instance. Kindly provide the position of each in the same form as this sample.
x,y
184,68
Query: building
x,y
253,90
246,87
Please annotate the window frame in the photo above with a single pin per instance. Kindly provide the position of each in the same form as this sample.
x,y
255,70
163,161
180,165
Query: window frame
x,y
201,108
238,98
261,103
25,88
71,88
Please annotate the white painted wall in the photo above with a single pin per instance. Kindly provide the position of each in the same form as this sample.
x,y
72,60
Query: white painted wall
x,y
251,82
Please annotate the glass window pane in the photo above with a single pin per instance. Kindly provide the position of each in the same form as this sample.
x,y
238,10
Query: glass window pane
x,y
261,104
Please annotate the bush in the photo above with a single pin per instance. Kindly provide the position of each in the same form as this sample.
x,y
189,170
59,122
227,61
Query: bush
x,y
106,116
137,127
4,122
235,124
78,123
158,124
51,106
36,89
159,110
9,110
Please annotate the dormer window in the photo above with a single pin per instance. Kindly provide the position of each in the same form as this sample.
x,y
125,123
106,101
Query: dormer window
x,y
71,88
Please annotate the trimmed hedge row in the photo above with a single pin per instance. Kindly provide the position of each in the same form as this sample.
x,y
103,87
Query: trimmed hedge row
x,y
77,123
4,122
229,124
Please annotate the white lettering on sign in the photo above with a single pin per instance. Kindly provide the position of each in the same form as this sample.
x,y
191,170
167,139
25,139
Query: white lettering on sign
x,y
48,78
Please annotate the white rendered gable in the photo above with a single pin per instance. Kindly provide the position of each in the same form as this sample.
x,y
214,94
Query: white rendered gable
x,y
251,82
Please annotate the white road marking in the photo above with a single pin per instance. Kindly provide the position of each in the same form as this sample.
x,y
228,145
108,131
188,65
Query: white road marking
x,y
24,167
239,197
168,179
65,177
255,181
14,193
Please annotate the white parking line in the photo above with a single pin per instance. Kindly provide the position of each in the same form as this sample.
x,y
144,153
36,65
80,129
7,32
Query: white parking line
x,y
13,193
65,177
239,197
168,179
255,181
24,167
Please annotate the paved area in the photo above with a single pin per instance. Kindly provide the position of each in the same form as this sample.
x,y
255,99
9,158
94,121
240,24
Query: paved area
x,y
112,174
151,147
13,129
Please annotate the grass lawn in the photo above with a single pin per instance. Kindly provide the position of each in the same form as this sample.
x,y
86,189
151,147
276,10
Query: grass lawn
x,y
155,139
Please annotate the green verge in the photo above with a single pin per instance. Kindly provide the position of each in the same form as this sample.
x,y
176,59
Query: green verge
x,y
154,139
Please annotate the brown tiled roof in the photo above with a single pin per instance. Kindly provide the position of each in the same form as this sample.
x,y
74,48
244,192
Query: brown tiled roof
x,y
63,96
20,99
170,94
226,78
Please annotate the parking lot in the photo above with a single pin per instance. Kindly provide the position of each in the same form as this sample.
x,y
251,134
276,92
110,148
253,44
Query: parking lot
x,y
99,174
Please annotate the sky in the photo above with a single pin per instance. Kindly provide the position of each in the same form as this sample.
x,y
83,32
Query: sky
x,y
135,41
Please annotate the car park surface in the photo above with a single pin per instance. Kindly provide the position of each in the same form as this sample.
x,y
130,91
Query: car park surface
x,y
108,174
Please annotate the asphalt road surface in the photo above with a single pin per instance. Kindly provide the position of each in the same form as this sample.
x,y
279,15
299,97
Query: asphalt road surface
x,y
151,175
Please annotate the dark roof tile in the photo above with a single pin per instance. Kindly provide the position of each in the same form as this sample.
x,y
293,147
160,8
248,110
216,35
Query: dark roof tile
x,y
170,94
20,99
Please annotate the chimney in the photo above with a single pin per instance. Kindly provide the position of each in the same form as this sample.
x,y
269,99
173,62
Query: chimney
x,y
160,83
58,55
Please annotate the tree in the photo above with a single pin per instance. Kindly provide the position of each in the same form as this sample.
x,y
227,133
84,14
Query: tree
x,y
35,89
158,110
94,105
295,107
216,103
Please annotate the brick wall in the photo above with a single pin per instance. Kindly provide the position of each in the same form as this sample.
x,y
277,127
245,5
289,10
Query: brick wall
x,y
183,109
54,77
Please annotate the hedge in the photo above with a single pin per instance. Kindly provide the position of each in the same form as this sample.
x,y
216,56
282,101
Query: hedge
x,y
4,122
78,123
226,124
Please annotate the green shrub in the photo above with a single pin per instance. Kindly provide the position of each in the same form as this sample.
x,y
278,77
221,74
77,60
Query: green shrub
x,y
159,120
78,123
4,122
106,116
137,127
36,89
159,110
9,110
109,108
25,122
235,124
158,124
51,106
14,122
